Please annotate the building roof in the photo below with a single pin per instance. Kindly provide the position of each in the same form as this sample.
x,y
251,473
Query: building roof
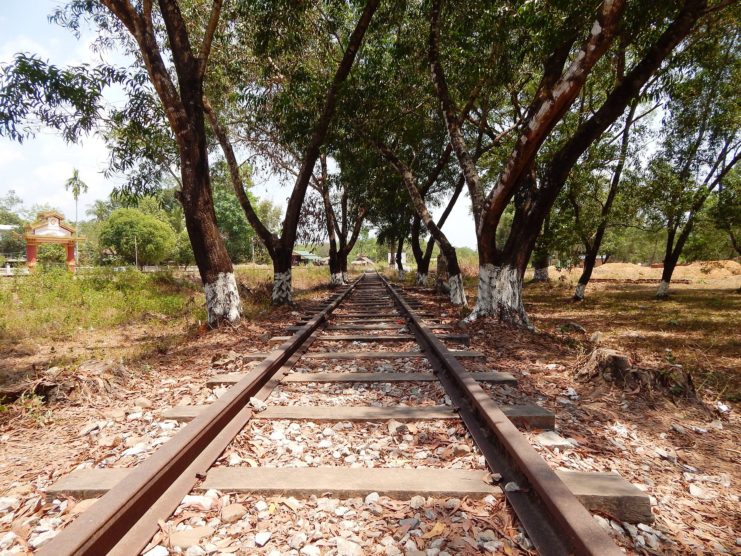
x,y
307,255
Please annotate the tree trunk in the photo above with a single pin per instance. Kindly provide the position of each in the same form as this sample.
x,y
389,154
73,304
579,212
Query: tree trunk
x,y
215,267
662,292
541,261
590,258
423,272
500,295
282,285
423,266
501,275
343,266
335,268
399,264
441,277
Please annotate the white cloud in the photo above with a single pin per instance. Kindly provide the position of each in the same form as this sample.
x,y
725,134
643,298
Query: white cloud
x,y
21,43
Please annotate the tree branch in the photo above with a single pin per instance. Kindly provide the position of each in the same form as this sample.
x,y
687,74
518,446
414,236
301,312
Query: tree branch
x,y
213,23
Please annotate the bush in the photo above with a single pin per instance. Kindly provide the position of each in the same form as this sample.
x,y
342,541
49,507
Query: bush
x,y
134,235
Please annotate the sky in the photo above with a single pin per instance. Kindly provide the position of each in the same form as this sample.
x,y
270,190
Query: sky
x,y
37,169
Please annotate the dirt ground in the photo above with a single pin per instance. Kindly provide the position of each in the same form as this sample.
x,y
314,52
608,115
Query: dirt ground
x,y
682,452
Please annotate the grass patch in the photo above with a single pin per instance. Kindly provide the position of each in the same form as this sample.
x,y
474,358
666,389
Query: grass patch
x,y
55,304
695,328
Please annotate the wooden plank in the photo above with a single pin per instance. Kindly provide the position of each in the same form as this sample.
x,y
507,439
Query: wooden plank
x,y
233,378
601,492
398,483
387,354
526,415
462,338
390,326
279,339
88,483
364,354
609,493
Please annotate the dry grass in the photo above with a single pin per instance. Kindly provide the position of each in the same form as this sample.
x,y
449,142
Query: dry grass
x,y
696,328
55,319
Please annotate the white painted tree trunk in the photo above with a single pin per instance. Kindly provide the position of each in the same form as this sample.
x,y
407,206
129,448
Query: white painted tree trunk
x,y
541,274
579,292
345,278
500,295
336,279
400,273
222,299
663,291
421,279
457,292
282,288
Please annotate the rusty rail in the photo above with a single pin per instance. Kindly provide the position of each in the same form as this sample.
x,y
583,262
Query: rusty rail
x,y
125,518
556,522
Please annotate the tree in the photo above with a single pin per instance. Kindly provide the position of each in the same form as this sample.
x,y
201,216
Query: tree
x,y
11,241
342,230
702,142
290,139
726,212
70,100
591,228
77,186
652,34
138,237
183,253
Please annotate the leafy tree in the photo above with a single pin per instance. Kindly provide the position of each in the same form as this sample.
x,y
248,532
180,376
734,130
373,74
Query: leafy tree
x,y
558,53
77,186
51,254
183,251
174,54
701,141
298,100
133,234
11,241
726,211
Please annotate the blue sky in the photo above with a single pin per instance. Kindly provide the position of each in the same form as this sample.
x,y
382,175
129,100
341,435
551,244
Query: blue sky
x,y
37,169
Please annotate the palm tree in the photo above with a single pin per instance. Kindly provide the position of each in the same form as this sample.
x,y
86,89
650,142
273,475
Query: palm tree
x,y
77,186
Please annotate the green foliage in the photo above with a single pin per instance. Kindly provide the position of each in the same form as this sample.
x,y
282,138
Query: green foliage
x,y
67,99
239,237
130,230
11,241
51,254
726,210
75,184
183,249
54,303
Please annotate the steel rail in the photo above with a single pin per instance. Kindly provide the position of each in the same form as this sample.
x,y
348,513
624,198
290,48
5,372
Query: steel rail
x,y
125,518
556,522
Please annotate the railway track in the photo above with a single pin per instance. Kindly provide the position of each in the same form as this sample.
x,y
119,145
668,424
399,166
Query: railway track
x,y
381,324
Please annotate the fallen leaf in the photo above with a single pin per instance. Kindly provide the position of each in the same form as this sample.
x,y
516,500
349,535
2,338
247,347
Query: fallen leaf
x,y
437,530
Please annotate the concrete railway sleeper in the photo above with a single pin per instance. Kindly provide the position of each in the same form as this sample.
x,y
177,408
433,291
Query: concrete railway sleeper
x,y
319,378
